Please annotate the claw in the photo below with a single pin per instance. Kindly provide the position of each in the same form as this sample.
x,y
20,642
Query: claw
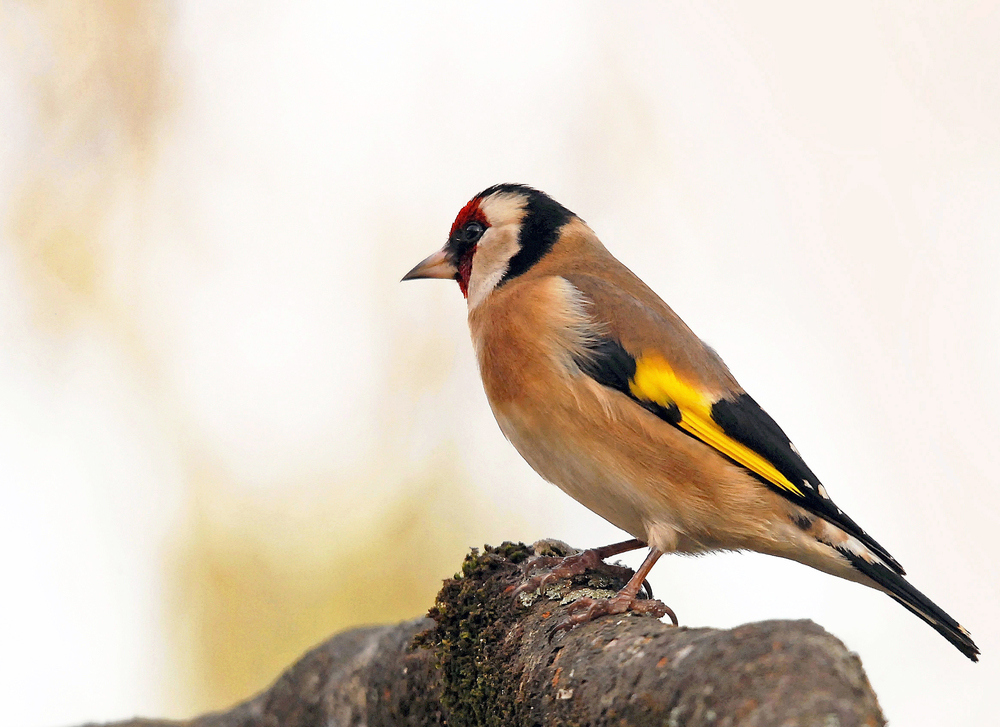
x,y
587,609
558,569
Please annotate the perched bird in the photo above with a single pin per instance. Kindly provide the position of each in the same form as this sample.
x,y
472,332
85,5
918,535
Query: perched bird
x,y
609,395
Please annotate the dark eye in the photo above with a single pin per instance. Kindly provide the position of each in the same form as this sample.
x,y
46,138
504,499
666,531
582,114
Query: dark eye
x,y
472,232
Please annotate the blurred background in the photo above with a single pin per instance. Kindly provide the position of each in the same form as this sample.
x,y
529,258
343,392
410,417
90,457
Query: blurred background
x,y
227,432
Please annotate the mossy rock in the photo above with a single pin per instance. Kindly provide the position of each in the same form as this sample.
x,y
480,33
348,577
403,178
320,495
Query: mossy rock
x,y
470,637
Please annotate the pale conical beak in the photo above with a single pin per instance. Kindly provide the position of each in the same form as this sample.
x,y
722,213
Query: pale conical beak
x,y
436,266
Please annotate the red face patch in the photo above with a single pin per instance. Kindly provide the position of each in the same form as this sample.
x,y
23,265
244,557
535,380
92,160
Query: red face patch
x,y
463,251
470,213
465,270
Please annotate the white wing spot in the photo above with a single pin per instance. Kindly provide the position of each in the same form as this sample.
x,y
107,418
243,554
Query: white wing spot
x,y
822,492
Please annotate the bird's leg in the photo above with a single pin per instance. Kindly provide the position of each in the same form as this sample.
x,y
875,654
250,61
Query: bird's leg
x,y
571,565
586,609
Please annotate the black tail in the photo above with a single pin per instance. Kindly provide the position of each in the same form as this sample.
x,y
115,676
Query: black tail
x,y
916,602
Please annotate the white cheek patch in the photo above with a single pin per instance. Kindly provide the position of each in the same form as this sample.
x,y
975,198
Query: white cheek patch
x,y
481,285
498,245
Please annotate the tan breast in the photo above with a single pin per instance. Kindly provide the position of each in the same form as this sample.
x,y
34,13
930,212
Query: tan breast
x,y
596,444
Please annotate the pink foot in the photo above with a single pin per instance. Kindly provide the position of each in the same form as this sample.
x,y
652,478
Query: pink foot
x,y
587,609
556,569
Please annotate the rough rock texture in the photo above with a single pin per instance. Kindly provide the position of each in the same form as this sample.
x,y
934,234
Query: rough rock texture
x,y
486,660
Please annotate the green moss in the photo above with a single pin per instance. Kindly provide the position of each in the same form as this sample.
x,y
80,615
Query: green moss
x,y
473,615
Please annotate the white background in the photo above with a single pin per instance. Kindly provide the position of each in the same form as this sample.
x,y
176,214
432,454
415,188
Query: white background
x,y
815,189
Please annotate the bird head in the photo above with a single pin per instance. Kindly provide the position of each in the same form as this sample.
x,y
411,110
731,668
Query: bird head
x,y
500,234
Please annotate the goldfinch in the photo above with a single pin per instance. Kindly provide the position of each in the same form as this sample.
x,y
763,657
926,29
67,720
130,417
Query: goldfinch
x,y
606,393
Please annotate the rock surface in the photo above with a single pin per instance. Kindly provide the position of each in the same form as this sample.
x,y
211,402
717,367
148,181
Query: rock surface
x,y
485,659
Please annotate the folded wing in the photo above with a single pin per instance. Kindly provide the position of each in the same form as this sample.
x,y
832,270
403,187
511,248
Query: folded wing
x,y
727,420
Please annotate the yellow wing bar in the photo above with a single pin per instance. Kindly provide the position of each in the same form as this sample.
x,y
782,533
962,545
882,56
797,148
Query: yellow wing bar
x,y
656,382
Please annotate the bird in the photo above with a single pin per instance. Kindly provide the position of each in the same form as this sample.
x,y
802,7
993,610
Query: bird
x,y
609,395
